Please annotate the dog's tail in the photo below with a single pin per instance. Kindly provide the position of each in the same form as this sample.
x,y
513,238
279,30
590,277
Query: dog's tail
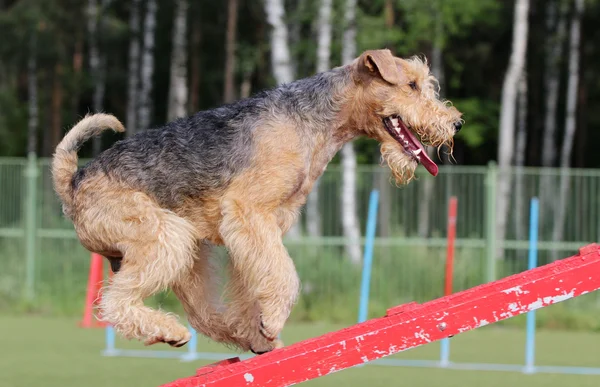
x,y
64,162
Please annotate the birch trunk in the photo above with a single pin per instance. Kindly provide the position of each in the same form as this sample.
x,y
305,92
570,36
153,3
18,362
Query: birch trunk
x,y
382,176
281,61
147,68
437,69
178,91
554,52
313,215
507,117
133,71
570,124
32,98
229,88
520,157
350,222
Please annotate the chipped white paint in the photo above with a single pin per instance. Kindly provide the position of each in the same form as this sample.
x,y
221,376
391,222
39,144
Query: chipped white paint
x,y
332,370
516,290
364,359
559,298
483,323
442,317
423,336
249,377
513,307
541,302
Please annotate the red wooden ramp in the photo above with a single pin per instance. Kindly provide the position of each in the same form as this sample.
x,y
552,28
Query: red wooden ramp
x,y
409,326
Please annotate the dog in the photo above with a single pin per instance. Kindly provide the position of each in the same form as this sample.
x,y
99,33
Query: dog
x,y
237,175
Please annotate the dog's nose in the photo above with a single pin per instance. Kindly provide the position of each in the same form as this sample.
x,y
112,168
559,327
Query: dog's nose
x,y
457,126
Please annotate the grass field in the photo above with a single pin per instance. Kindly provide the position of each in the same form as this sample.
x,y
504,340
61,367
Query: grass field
x,y
53,352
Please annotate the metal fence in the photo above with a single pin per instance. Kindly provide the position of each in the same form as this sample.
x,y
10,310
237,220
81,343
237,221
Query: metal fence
x,y
43,266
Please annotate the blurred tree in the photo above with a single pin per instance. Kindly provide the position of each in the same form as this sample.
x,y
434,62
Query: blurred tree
x,y
230,47
506,142
147,68
133,71
570,123
178,92
313,215
350,223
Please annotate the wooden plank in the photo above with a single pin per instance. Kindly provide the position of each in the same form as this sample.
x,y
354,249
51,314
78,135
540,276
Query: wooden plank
x,y
409,326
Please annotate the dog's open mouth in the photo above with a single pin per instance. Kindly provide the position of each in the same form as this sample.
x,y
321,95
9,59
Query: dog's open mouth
x,y
409,142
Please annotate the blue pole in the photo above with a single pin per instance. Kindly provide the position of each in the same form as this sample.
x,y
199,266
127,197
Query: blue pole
x,y
192,345
368,257
109,335
444,352
532,264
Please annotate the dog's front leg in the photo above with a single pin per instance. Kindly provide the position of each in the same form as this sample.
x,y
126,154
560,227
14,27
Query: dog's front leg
x,y
264,282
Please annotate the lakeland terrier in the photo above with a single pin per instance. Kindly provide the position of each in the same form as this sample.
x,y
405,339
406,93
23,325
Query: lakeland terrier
x,y
237,175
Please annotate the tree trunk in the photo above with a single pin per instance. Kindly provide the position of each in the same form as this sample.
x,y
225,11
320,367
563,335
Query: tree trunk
x,y
554,53
97,63
507,117
313,215
570,124
77,72
437,69
520,156
229,87
382,176
195,68
32,91
178,82
133,70
281,61
147,68
57,100
350,223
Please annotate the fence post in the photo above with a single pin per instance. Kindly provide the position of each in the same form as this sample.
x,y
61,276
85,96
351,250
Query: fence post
x,y
490,229
31,175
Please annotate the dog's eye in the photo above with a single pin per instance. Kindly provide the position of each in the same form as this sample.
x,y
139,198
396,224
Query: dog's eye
x,y
413,85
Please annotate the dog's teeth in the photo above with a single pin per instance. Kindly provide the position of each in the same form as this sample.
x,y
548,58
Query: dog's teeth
x,y
398,131
395,121
417,152
405,142
401,136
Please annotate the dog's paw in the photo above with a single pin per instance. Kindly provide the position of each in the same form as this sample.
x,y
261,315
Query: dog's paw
x,y
265,347
174,339
270,328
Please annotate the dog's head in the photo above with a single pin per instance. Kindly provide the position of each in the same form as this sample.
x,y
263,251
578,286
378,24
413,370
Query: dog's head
x,y
401,109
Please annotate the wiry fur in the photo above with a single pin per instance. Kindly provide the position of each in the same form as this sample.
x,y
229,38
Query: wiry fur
x,y
236,176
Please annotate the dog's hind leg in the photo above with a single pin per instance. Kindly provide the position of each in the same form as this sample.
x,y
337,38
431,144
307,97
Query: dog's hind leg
x,y
198,291
264,282
158,249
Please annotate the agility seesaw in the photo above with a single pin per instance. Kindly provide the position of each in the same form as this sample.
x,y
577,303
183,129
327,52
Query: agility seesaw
x,y
409,326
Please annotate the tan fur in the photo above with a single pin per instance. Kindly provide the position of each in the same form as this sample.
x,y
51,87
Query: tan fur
x,y
164,248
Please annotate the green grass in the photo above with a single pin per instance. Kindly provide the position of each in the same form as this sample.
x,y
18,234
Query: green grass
x,y
53,352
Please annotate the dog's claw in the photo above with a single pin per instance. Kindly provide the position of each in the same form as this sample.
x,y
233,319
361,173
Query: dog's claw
x,y
265,332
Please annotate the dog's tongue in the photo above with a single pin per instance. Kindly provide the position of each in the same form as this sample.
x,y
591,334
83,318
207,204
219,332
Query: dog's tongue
x,y
429,164
424,159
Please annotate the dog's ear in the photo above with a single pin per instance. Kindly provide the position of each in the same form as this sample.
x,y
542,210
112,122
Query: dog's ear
x,y
381,63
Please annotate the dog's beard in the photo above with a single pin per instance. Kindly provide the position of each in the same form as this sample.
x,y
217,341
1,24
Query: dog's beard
x,y
402,166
